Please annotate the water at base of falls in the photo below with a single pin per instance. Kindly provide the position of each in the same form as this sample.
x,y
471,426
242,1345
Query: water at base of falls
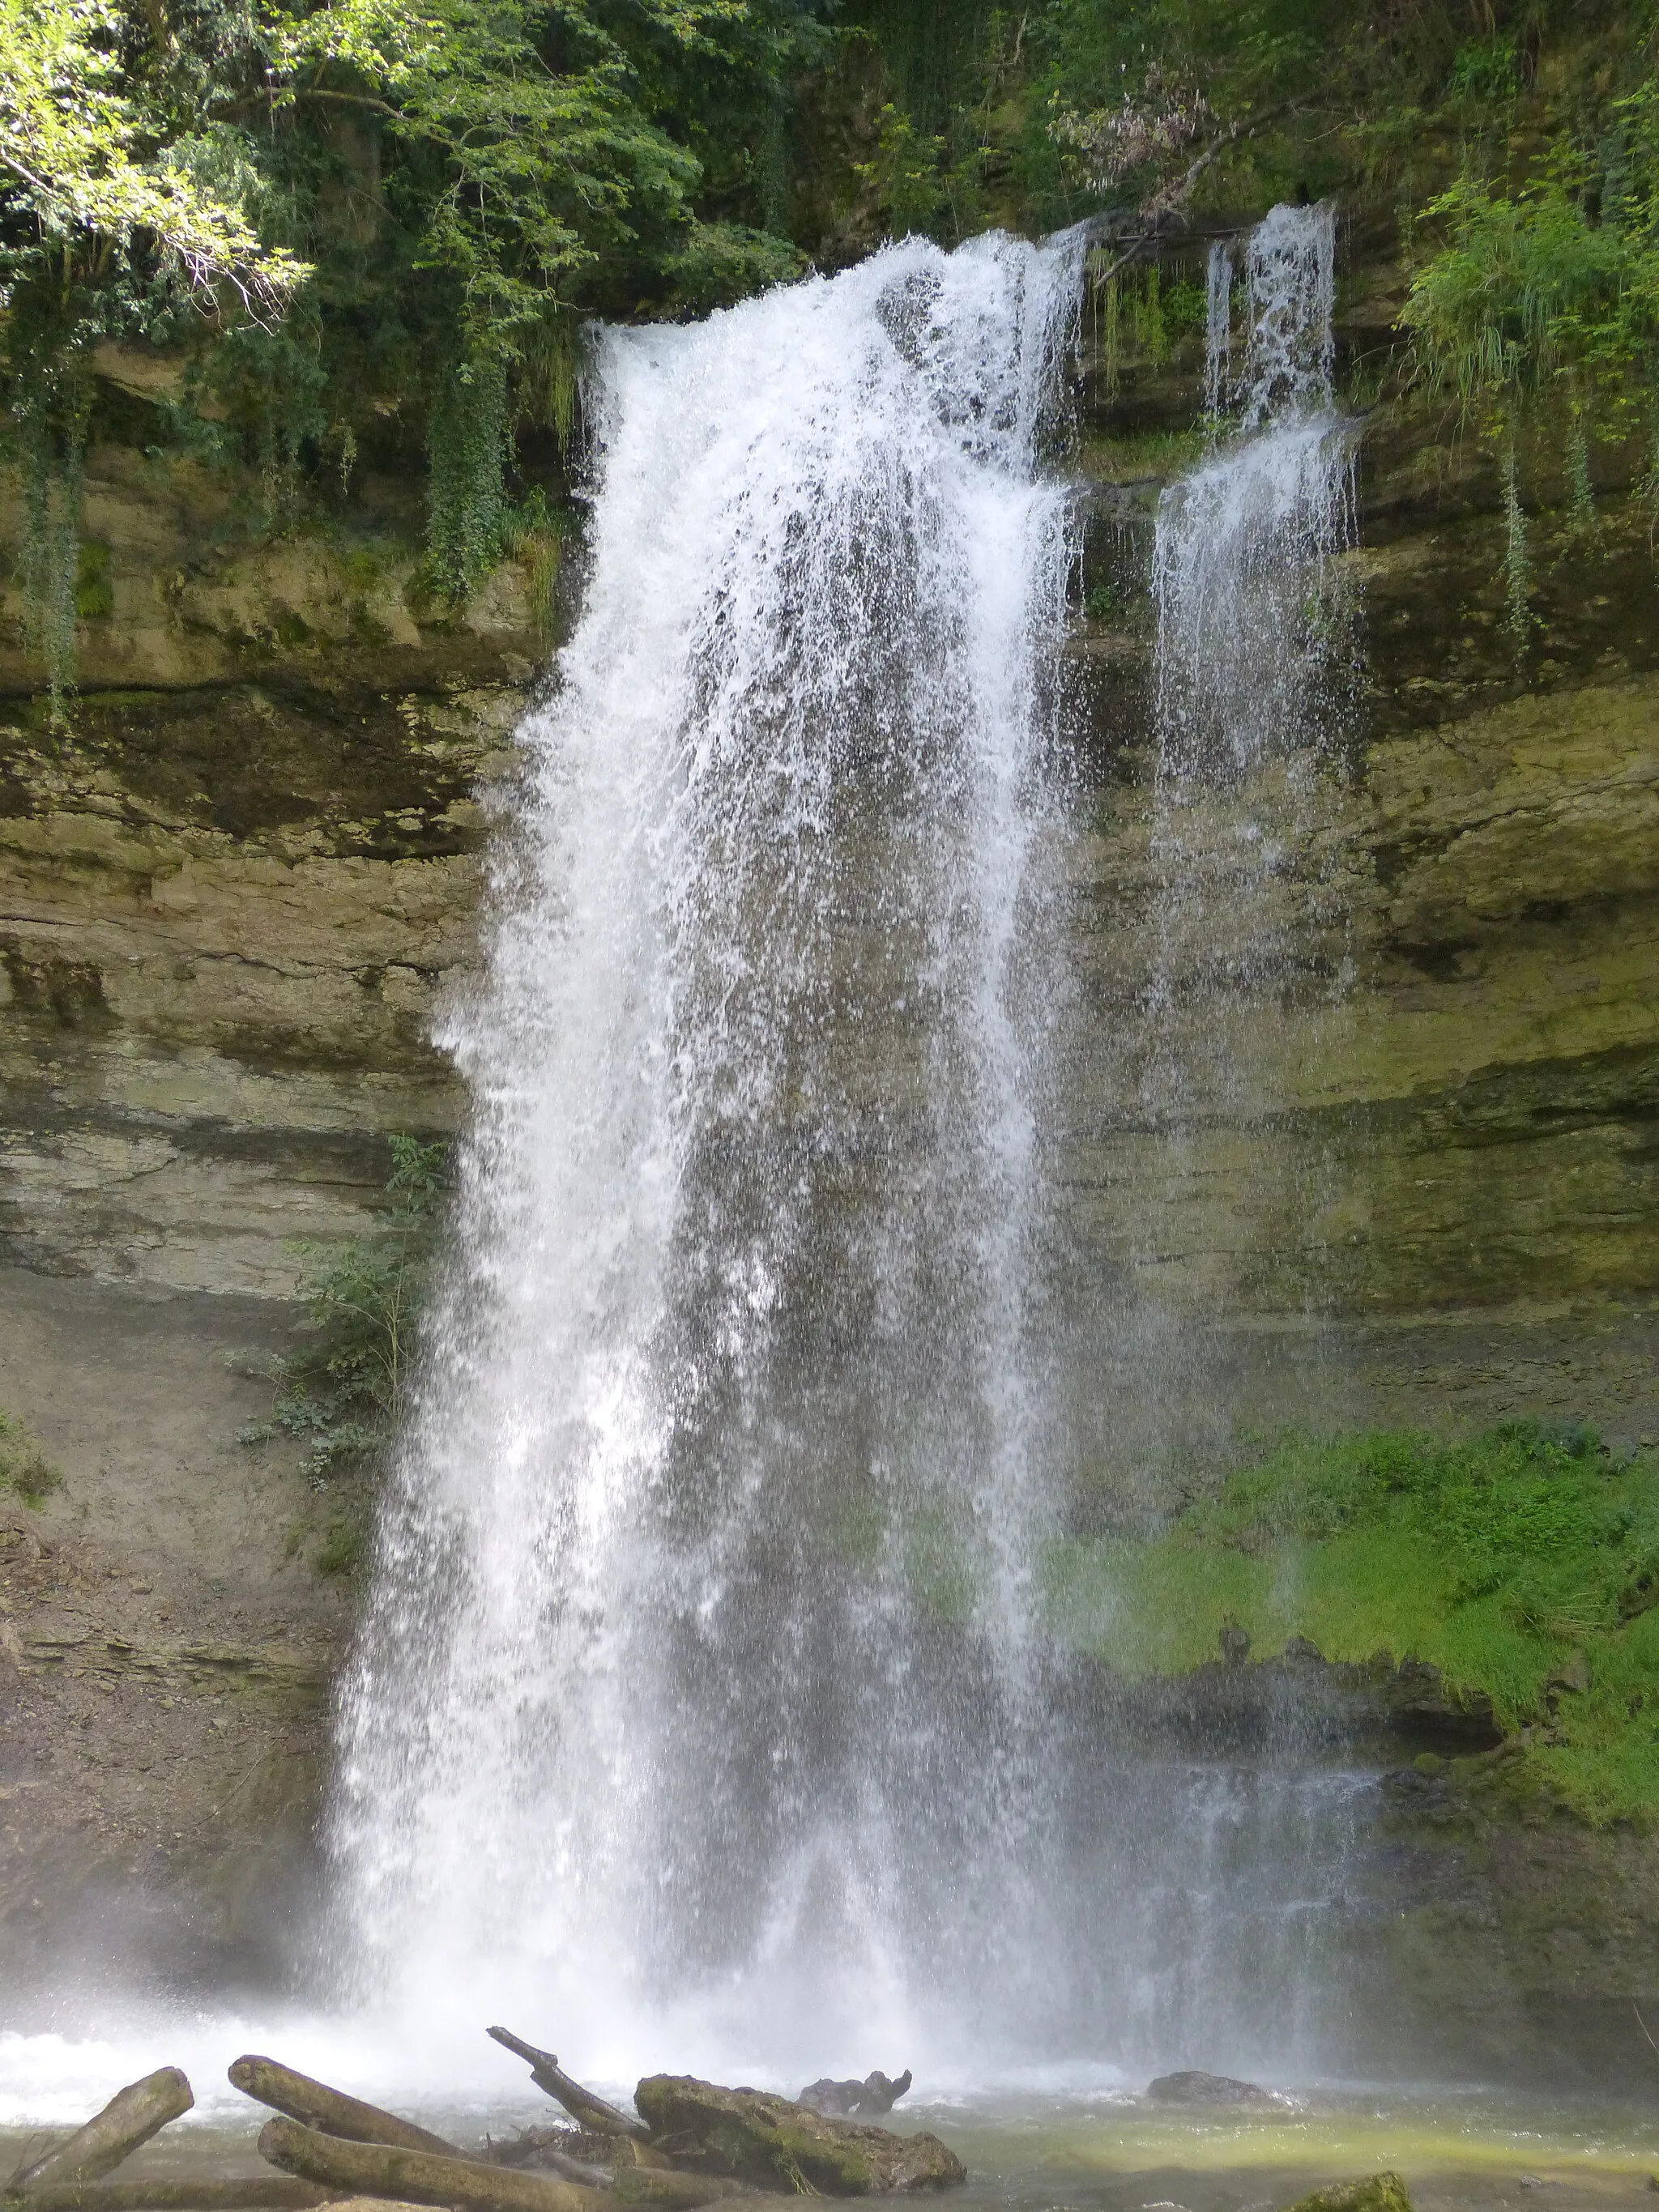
x,y
696,1676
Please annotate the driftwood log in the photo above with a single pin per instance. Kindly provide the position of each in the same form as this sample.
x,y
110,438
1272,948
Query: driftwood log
x,y
420,2177
589,2112
316,2105
675,2193
270,2192
131,2117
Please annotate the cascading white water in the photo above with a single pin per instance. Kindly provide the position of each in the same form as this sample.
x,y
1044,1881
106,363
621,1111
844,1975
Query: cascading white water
x,y
1247,647
1253,678
1243,1921
693,1681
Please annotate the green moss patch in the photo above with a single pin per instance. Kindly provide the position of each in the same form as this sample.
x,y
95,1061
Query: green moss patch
x,y
1523,1563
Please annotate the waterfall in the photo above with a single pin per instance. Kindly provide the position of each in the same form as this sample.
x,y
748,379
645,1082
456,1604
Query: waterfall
x,y
1248,651
1245,1872
696,1667
1253,689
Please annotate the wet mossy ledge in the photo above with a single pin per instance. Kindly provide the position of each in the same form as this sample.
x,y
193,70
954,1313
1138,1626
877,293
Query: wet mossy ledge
x,y
1521,1565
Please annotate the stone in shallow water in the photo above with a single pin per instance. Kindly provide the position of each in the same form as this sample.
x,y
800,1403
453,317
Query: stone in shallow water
x,y
772,2141
1194,2087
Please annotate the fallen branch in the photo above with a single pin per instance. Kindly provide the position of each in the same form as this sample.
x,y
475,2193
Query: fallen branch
x,y
559,2149
591,2111
270,2192
1169,198
131,2117
420,2177
675,2193
269,2082
573,2169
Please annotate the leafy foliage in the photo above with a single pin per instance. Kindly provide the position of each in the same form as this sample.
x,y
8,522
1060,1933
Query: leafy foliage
x,y
362,212
89,168
372,221
342,1394
1515,1562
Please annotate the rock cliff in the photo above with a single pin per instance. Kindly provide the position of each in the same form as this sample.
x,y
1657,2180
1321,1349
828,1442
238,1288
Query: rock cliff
x,y
234,888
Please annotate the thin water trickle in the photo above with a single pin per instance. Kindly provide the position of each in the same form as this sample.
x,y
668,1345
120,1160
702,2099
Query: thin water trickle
x,y
696,1664
1251,649
1252,688
1247,1876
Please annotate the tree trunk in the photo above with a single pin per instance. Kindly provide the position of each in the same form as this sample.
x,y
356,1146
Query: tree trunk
x,y
676,2192
268,2192
269,2082
420,2177
550,2160
131,2117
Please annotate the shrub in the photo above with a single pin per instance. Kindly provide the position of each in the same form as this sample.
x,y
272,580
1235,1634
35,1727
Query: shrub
x,y
25,1470
343,1392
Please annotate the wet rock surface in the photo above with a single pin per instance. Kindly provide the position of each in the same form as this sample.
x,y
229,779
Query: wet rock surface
x,y
1377,2192
876,2094
1192,2086
774,2142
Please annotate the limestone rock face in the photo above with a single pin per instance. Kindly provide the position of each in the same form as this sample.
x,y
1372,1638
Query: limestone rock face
x,y
225,927
775,2143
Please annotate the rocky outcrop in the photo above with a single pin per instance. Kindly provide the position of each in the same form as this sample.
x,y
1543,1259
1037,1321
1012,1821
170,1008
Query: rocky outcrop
x,y
1215,2091
234,881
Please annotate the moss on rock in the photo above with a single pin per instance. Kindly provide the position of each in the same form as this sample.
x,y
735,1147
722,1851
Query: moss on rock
x,y
774,2142
1378,2192
1520,1564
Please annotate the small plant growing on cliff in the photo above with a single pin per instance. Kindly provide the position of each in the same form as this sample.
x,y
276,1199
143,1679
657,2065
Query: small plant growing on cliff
x,y
342,1392
25,1470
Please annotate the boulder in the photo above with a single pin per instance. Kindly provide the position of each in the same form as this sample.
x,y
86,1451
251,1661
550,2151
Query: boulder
x,y
774,2142
1193,2087
1378,2192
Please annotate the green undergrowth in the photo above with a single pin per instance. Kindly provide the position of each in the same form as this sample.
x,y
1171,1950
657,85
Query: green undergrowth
x,y
341,1393
25,1470
1523,1563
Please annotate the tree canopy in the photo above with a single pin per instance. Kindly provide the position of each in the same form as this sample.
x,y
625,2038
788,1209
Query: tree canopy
x,y
362,220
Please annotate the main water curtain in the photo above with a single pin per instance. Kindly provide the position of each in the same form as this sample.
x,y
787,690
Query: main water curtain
x,y
696,1667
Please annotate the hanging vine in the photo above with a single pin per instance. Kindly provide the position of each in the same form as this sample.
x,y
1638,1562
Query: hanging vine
x,y
48,390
